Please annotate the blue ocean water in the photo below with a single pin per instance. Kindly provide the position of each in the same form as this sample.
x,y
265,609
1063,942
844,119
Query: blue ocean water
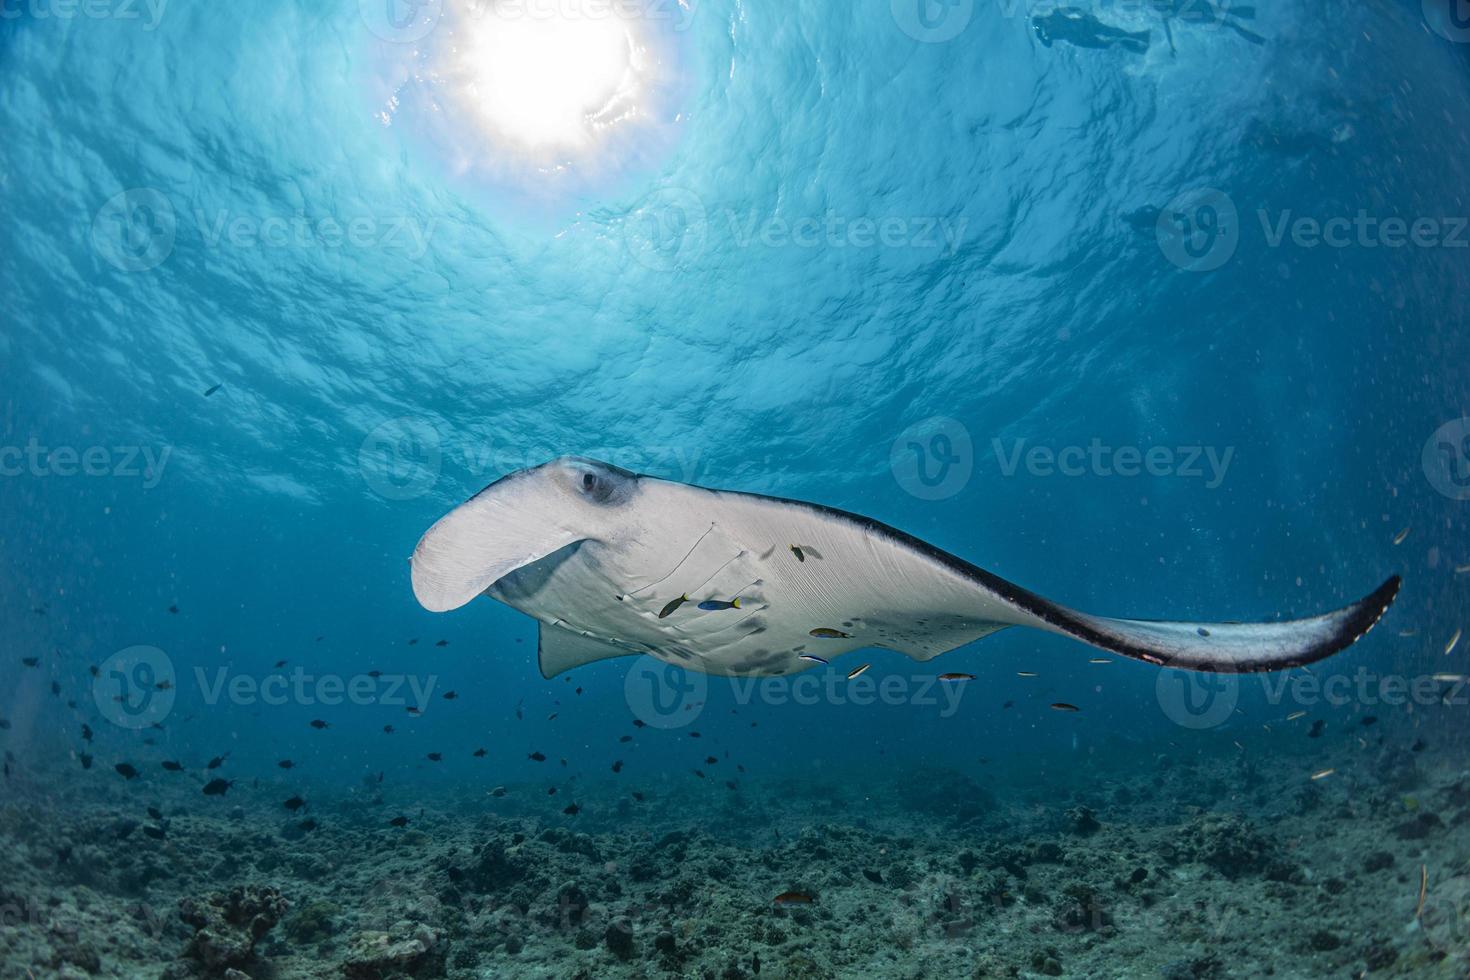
x,y
276,299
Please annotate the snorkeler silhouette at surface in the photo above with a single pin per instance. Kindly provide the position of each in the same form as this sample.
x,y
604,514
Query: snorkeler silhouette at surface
x,y
1085,31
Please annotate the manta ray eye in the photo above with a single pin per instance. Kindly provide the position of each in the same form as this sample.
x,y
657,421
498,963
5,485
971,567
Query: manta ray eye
x,y
589,481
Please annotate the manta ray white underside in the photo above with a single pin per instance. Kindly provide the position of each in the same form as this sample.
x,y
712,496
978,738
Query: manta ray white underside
x,y
613,563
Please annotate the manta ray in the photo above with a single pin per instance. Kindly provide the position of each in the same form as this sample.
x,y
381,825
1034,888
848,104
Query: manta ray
x,y
614,563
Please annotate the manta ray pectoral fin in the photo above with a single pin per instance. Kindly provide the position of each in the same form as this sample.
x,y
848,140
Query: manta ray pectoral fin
x,y
1228,648
559,650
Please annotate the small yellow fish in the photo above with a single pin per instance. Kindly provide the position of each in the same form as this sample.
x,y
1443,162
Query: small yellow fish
x,y
857,671
1323,773
1399,538
1454,642
1295,715
826,633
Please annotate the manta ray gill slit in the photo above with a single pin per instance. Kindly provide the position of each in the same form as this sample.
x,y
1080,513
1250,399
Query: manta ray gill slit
x,y
687,555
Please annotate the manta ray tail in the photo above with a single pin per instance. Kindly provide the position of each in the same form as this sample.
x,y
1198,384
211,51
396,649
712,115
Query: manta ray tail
x,y
1229,648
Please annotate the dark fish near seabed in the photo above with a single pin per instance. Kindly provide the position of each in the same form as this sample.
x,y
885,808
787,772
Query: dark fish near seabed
x,y
794,898
442,643
217,761
637,796
617,766
480,753
318,724
625,738
174,610
308,825
387,729
157,833
710,760
86,733
155,813
31,661
436,757
876,877
170,765
85,760
398,822
572,810
280,664
450,695
286,764
126,771
218,787
294,803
